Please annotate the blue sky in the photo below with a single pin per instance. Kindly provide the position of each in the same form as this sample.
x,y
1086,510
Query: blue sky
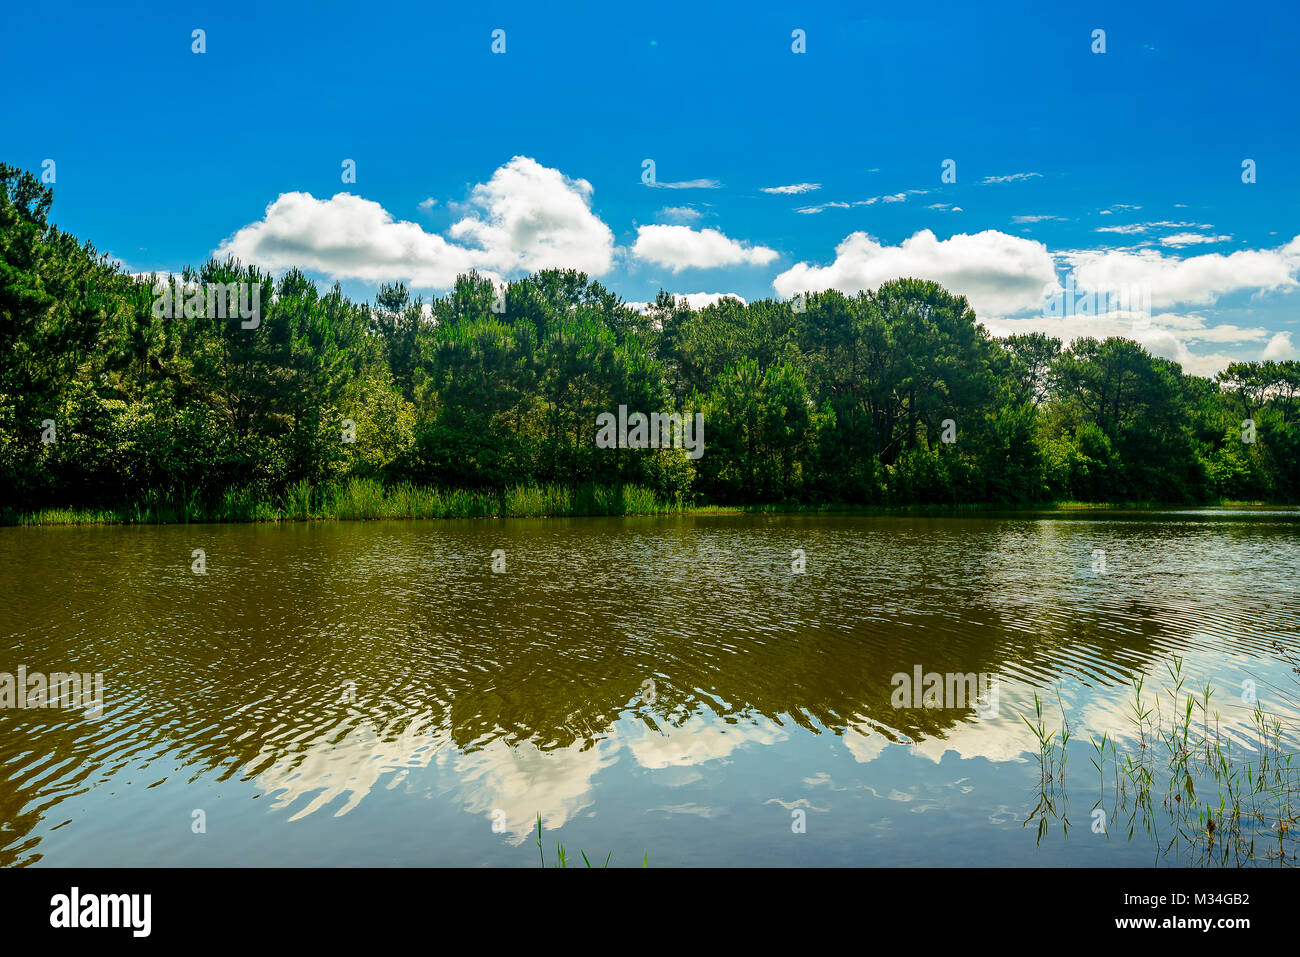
x,y
1123,168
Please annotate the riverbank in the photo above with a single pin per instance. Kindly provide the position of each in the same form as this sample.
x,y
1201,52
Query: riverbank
x,y
365,500
369,500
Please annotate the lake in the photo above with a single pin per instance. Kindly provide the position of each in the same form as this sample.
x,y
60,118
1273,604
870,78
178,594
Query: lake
x,y
691,690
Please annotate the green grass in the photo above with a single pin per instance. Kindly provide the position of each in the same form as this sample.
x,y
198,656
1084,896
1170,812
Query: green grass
x,y
362,499
562,857
1217,503
69,516
1204,796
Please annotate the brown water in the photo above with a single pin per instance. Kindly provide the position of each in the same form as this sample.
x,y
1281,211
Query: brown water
x,y
373,693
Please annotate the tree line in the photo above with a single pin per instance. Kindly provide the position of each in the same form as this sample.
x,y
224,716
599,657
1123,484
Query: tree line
x,y
889,397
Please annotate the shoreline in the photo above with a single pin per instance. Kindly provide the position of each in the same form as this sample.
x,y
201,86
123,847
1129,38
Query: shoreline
x,y
362,501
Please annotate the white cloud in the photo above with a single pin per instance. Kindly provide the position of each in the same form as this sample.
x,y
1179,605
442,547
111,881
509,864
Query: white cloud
x,y
428,204
537,218
526,217
1164,334
1012,178
871,201
1195,328
698,300
682,214
1191,239
997,273
1166,343
1003,275
158,276
1134,228
695,300
346,237
1197,280
698,741
688,184
1158,341
328,765
680,247
792,190
1033,219
523,780
812,210
1280,347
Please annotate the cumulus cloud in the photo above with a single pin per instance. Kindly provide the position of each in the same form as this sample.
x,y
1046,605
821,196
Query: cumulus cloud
x,y
997,273
698,300
526,217
1196,280
1003,275
792,190
537,218
1164,343
1164,334
523,781
1280,347
698,742
695,300
680,247
1007,276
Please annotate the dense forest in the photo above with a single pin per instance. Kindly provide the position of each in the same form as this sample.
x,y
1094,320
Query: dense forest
x,y
108,401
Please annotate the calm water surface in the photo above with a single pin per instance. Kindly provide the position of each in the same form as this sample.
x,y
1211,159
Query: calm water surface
x,y
373,694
